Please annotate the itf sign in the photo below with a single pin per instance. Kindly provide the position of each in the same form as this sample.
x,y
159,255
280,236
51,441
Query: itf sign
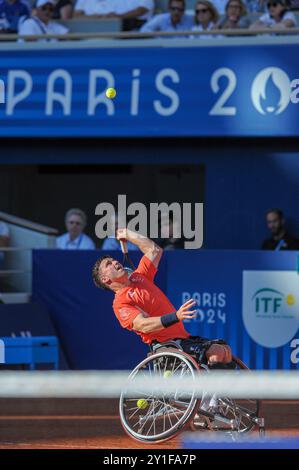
x,y
176,91
270,306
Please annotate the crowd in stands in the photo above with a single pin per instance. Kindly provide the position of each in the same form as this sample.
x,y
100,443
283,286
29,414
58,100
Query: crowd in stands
x,y
279,238
27,18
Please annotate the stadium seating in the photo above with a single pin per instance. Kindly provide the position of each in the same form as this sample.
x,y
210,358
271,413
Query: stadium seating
x,y
92,25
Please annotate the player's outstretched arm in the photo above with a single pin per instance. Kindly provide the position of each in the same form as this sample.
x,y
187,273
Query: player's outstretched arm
x,y
149,248
145,324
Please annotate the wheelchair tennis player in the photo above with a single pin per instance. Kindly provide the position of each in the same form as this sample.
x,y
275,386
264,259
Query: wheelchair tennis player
x,y
140,305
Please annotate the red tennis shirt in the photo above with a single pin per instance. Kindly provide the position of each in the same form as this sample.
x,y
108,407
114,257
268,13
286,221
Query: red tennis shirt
x,y
143,295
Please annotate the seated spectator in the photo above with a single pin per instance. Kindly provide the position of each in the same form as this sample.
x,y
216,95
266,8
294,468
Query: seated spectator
x,y
10,13
277,17
75,238
280,239
206,17
63,10
174,20
111,243
39,22
171,238
134,13
4,239
235,16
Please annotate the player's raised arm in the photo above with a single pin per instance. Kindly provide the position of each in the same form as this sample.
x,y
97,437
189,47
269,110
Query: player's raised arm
x,y
146,324
149,248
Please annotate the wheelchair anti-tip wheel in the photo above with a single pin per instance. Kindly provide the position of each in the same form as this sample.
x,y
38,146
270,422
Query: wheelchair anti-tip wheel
x,y
150,418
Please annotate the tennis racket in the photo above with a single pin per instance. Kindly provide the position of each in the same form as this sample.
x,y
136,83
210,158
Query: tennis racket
x,y
127,262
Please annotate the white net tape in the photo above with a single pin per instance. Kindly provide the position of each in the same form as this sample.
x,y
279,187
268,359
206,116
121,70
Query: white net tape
x,y
110,384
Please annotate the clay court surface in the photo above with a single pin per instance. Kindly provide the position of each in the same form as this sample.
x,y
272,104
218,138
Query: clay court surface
x,y
94,424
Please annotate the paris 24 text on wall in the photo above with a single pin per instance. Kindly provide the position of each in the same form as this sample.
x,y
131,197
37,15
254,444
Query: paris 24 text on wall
x,y
249,90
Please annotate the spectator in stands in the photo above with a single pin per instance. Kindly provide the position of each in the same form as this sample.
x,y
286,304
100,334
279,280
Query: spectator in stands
x,y
40,21
63,10
10,13
134,13
277,17
235,16
169,232
206,17
4,239
111,243
174,20
75,238
280,239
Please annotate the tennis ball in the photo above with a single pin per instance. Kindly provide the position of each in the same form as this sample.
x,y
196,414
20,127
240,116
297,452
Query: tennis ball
x,y
167,374
111,93
142,404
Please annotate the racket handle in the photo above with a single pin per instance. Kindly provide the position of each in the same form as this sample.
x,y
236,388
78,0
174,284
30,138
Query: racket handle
x,y
123,245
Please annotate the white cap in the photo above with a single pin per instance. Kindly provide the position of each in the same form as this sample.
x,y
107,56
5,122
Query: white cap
x,y
41,3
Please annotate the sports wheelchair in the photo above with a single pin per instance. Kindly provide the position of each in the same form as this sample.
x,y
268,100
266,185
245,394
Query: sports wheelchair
x,y
154,419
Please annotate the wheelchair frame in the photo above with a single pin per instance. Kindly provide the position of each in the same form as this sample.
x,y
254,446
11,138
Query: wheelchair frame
x,y
160,419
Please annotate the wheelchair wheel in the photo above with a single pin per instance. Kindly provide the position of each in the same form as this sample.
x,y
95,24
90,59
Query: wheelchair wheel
x,y
153,419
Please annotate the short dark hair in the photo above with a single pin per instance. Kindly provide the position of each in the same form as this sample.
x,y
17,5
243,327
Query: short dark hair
x,y
181,1
276,211
95,273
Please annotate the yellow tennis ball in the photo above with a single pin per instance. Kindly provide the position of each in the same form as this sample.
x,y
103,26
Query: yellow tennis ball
x,y
111,93
290,299
142,404
167,374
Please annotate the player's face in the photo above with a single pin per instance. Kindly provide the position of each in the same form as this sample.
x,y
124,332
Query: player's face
x,y
112,270
274,223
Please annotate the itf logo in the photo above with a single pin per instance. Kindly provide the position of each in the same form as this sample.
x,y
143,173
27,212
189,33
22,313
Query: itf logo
x,y
270,91
2,92
268,302
270,306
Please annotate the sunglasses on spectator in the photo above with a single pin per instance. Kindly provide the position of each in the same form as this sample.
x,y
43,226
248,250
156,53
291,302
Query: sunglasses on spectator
x,y
177,9
272,4
202,10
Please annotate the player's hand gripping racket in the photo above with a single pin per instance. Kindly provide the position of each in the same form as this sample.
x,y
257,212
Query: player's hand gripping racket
x,y
127,262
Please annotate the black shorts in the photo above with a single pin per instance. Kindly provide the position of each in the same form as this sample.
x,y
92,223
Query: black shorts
x,y
196,346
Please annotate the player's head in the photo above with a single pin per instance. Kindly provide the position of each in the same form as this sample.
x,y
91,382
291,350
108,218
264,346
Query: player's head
x,y
275,220
108,272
